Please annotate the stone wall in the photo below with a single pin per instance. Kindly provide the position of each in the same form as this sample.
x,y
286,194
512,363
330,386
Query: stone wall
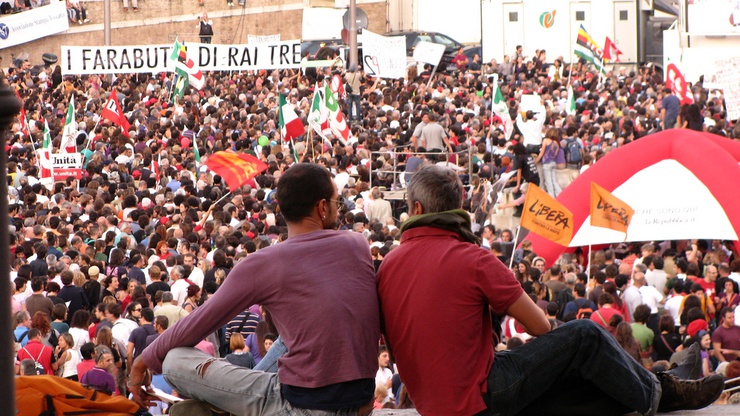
x,y
161,21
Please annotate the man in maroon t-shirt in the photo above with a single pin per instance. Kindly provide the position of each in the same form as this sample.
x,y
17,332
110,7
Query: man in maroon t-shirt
x,y
446,360
726,338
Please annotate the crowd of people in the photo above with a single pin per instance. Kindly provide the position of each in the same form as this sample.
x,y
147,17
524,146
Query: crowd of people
x,y
115,272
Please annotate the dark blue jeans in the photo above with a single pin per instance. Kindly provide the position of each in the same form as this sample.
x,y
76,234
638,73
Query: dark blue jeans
x,y
576,369
353,106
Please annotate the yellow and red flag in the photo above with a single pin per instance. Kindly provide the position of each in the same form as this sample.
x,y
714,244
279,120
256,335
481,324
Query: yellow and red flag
x,y
235,168
608,211
547,217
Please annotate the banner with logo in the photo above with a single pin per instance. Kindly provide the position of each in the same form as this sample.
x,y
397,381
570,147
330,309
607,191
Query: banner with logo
x,y
608,211
65,165
78,60
545,216
383,56
37,23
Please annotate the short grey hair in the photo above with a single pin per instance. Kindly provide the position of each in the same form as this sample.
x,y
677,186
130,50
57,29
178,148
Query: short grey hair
x,y
436,188
179,270
167,297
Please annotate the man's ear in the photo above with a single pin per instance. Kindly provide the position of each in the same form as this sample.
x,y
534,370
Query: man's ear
x,y
416,209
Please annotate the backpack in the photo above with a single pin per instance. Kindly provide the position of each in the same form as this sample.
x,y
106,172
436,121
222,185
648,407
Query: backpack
x,y
562,299
573,152
53,338
18,341
50,395
584,311
40,370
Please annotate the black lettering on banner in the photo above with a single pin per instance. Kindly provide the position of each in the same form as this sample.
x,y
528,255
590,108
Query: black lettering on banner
x,y
272,54
232,56
296,54
85,58
555,216
99,63
138,58
284,49
204,53
125,61
165,55
246,58
112,54
215,56
369,66
610,209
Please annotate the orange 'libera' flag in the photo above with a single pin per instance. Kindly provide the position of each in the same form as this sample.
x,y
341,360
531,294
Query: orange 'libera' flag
x,y
547,217
608,211
235,168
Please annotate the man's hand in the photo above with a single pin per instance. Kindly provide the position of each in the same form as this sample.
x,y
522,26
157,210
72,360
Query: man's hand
x,y
138,382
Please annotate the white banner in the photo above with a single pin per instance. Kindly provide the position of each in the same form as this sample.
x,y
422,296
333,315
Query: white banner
x,y
384,56
429,52
77,60
252,39
37,23
728,77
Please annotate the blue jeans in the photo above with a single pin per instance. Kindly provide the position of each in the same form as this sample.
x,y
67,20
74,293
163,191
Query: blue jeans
x,y
354,104
269,361
549,176
235,389
577,368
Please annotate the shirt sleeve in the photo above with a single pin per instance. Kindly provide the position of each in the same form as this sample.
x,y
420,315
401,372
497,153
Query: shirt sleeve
x,y
497,283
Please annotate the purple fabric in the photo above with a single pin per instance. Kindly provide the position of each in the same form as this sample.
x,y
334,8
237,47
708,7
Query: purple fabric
x,y
100,380
320,287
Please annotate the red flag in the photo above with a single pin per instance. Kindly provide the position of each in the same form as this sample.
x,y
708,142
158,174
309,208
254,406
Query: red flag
x,y
675,80
235,168
22,117
611,52
112,111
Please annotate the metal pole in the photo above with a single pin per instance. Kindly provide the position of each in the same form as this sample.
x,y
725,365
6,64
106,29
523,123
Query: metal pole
x,y
106,21
352,35
10,105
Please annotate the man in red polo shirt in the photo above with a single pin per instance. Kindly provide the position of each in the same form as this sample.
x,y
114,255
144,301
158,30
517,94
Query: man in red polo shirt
x,y
446,360
38,352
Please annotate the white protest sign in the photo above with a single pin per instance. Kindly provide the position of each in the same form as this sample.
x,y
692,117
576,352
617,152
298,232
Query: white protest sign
x,y
728,77
65,165
252,39
383,56
429,52
77,60
531,102
33,24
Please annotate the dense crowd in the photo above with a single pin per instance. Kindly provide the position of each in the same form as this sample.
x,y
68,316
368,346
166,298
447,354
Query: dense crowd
x,y
103,264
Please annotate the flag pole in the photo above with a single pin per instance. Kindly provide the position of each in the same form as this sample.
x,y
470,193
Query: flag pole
x,y
222,198
511,260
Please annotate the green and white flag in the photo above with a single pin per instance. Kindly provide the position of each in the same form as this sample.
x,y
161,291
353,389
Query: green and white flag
x,y
69,133
46,144
571,106
501,109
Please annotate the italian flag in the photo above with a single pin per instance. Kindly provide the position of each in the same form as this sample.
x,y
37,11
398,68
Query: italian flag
x,y
289,123
69,134
571,106
336,119
499,108
197,153
44,159
46,144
